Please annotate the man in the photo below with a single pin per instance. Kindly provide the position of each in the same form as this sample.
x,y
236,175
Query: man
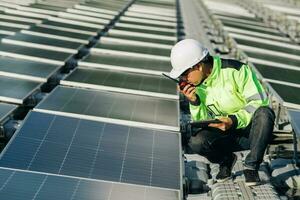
x,y
229,91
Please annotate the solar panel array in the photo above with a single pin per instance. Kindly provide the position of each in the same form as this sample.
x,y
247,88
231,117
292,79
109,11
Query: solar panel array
x,y
111,129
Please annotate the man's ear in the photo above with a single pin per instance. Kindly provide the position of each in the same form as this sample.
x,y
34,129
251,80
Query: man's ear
x,y
200,67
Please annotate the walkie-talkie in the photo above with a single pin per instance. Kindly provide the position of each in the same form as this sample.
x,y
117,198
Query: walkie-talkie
x,y
180,82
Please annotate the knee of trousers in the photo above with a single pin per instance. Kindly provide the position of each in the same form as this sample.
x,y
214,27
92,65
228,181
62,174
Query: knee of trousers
x,y
200,143
264,113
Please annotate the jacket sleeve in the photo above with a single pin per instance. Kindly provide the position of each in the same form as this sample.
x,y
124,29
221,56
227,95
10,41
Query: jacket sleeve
x,y
253,94
198,110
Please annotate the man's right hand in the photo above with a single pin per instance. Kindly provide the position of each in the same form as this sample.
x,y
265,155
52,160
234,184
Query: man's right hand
x,y
189,91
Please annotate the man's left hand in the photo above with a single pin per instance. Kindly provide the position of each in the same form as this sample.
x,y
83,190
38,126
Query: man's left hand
x,y
224,126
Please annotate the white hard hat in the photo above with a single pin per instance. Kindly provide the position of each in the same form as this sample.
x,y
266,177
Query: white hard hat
x,y
185,54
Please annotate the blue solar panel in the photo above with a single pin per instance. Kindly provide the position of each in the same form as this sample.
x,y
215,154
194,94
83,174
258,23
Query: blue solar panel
x,y
83,148
20,185
134,109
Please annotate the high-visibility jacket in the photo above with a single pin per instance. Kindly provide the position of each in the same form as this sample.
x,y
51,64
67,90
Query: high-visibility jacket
x,y
231,90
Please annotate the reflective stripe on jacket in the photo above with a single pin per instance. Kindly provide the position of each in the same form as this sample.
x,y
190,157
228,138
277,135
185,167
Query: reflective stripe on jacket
x,y
232,89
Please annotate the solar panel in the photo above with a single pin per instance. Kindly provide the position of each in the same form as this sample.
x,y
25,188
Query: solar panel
x,y
90,13
129,109
253,28
16,90
16,22
5,110
269,46
256,34
43,43
71,26
106,5
132,48
48,7
282,74
45,56
17,185
140,38
273,58
150,16
144,31
126,63
122,82
294,116
82,148
24,69
145,24
98,20
289,94
95,9
57,34
9,29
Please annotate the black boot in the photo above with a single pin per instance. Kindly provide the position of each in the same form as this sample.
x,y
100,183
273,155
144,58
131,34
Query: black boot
x,y
226,168
251,177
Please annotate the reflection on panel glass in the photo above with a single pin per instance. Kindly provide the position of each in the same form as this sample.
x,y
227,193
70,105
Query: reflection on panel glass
x,y
113,105
113,78
17,185
128,61
70,146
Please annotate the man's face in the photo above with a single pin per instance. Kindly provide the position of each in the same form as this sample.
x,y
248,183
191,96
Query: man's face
x,y
193,76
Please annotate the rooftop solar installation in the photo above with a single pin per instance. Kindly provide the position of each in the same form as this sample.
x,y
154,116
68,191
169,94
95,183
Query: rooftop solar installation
x,y
9,30
41,55
24,69
49,7
14,25
139,34
289,94
133,48
253,28
5,110
18,184
137,43
80,17
128,109
92,14
256,34
158,32
95,150
5,15
57,34
145,24
294,116
272,47
14,90
6,19
106,5
94,9
75,22
126,63
149,16
138,37
122,82
91,31
46,11
273,56
43,43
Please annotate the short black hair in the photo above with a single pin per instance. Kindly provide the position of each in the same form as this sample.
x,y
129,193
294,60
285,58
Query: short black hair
x,y
208,60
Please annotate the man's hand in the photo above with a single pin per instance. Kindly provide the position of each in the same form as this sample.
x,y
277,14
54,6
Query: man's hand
x,y
189,91
224,126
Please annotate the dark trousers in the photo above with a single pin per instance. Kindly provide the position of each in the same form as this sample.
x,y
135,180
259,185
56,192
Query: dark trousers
x,y
217,146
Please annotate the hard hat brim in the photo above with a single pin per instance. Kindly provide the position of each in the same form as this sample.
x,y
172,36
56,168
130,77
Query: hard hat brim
x,y
177,73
